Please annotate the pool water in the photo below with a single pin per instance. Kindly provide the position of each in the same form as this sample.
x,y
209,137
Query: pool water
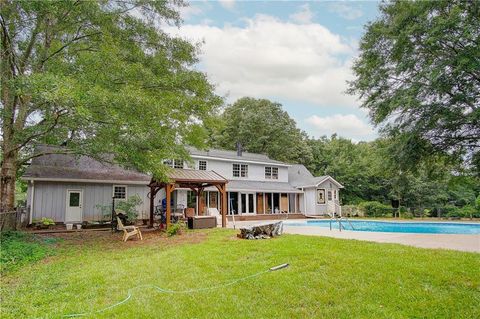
x,y
395,227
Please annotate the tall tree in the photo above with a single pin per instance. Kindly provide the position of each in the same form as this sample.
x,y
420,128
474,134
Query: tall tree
x,y
262,126
418,74
98,77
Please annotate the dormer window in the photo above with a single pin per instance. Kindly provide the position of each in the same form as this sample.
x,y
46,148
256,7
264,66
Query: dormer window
x,y
202,165
240,170
271,172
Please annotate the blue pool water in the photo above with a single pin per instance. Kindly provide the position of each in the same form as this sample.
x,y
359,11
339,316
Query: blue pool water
x,y
396,227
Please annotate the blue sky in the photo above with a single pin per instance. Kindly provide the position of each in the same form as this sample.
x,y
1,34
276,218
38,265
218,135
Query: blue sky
x,y
296,53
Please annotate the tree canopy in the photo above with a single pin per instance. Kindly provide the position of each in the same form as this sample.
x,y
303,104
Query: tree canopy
x,y
261,126
418,74
98,77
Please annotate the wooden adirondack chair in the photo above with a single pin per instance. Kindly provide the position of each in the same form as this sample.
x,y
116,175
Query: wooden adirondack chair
x,y
129,231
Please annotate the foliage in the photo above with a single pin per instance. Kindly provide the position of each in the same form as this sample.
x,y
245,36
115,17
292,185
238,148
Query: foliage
x,y
261,126
64,284
176,229
129,206
375,209
100,77
47,221
419,77
19,248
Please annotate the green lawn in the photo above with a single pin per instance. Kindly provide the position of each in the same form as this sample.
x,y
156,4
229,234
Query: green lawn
x,y
327,278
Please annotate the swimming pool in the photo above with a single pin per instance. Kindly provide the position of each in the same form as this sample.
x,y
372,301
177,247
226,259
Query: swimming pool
x,y
395,227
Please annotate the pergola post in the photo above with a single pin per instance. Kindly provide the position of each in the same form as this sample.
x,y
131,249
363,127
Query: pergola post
x,y
223,195
152,203
168,191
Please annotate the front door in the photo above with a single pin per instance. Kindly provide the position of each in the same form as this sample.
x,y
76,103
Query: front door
x,y
74,206
247,203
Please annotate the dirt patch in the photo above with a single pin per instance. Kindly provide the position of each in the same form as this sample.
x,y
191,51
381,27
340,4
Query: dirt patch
x,y
109,240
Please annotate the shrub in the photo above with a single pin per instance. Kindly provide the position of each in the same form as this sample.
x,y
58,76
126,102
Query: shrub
x,y
375,209
175,229
351,210
407,215
128,207
19,248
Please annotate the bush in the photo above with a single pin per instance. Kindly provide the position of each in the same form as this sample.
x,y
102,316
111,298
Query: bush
x,y
128,207
175,229
407,215
375,209
351,211
19,248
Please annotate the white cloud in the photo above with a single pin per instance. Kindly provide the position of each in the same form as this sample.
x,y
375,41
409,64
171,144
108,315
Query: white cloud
x,y
270,58
346,11
349,126
304,15
189,11
227,4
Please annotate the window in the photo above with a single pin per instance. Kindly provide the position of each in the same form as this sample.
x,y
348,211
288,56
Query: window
x,y
335,194
240,170
173,163
329,193
202,165
120,191
271,172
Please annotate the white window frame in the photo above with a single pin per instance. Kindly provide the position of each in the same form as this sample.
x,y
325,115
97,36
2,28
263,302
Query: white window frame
x,y
199,165
272,172
242,170
174,163
126,192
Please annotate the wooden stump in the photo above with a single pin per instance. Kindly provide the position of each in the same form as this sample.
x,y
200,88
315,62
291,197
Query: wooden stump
x,y
261,231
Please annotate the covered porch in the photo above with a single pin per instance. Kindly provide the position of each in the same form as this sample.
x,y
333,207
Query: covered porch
x,y
196,181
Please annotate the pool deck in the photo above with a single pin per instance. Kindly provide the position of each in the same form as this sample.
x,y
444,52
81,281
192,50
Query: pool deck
x,y
469,243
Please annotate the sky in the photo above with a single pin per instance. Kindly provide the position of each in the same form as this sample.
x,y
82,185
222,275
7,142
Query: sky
x,y
297,53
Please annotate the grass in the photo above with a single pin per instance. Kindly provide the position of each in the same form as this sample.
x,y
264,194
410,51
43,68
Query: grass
x,y
18,248
327,278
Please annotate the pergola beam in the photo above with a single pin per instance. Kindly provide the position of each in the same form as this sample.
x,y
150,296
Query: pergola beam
x,y
196,185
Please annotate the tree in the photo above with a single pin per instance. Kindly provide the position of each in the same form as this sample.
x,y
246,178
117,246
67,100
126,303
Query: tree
x,y
418,74
99,77
261,126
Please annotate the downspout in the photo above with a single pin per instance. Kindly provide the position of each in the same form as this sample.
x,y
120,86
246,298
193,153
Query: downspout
x,y
32,197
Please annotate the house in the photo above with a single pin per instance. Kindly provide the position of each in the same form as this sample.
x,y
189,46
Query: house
x,y
73,189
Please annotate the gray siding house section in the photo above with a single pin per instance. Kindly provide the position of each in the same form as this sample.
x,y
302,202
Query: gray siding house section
x,y
50,199
70,188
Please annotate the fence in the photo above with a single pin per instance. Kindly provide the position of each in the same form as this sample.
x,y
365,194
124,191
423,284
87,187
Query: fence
x,y
13,220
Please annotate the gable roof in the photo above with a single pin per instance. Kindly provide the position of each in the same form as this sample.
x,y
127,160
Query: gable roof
x,y
58,167
300,176
232,155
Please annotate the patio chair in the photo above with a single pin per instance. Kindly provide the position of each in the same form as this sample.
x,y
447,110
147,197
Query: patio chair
x,y
129,231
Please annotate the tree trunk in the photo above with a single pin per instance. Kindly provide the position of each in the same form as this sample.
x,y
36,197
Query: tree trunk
x,y
7,183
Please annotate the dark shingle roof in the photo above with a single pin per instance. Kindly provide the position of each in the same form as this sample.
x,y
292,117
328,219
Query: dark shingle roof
x,y
70,167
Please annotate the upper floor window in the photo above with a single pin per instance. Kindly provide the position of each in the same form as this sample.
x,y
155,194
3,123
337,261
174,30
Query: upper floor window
x,y
240,170
120,191
174,163
271,172
202,165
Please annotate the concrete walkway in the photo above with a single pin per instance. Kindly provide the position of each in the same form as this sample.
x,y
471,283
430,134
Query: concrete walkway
x,y
470,243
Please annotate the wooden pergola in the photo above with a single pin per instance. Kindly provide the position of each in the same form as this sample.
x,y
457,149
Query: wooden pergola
x,y
195,180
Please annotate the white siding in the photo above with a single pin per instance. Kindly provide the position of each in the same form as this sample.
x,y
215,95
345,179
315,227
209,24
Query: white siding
x,y
256,172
